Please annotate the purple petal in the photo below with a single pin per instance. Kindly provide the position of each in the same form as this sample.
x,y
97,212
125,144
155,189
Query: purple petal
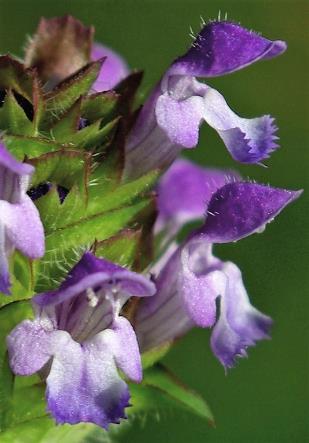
x,y
114,68
23,226
247,140
185,190
205,278
163,318
202,283
122,341
180,120
148,146
240,209
5,282
151,145
131,282
239,325
30,346
14,177
83,384
170,122
224,47
188,287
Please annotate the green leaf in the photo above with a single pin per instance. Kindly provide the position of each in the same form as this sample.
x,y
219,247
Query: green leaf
x,y
62,167
65,246
160,389
127,89
67,125
10,316
49,207
13,75
18,292
123,195
60,99
152,356
21,273
13,118
93,135
28,432
29,146
6,389
107,174
73,226
101,200
44,430
121,248
38,103
22,270
99,106
27,403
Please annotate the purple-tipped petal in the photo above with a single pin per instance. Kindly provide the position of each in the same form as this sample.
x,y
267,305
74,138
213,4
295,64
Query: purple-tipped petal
x,y
224,47
173,121
23,226
239,325
114,68
240,209
30,346
185,190
247,140
93,272
131,282
83,384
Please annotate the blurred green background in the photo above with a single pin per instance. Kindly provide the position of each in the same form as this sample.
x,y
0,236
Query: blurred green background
x,y
265,398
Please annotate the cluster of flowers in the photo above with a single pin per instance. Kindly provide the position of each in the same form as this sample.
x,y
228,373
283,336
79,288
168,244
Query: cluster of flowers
x,y
80,336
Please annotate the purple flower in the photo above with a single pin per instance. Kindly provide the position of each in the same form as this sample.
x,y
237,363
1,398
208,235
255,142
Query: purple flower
x,y
79,340
20,224
170,119
184,192
114,68
192,280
